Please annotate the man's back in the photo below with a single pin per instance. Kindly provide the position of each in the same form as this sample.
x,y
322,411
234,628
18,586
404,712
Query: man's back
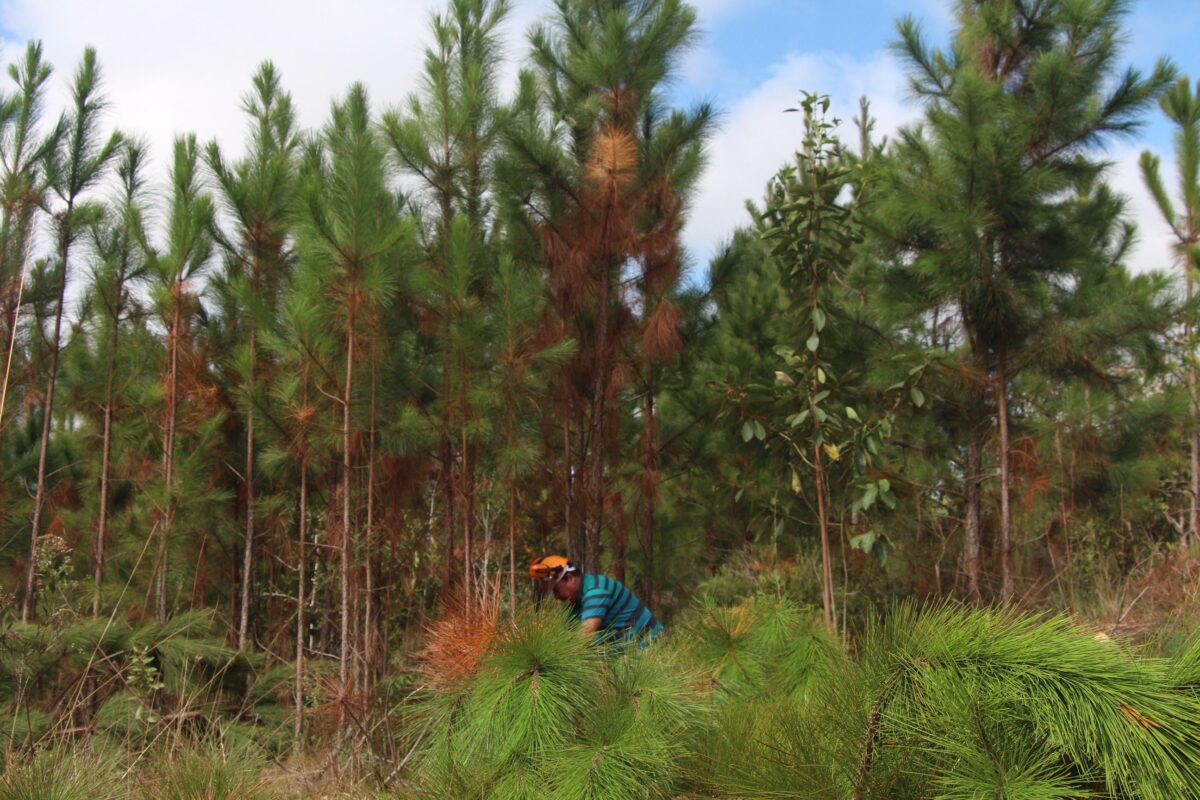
x,y
617,608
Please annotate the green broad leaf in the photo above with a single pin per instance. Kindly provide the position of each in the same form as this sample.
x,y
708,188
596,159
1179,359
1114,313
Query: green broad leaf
x,y
818,319
796,487
821,395
738,496
863,541
888,499
799,418
918,397
852,414
868,498
820,415
779,526
885,485
820,375
784,378
880,549
760,432
747,431
813,343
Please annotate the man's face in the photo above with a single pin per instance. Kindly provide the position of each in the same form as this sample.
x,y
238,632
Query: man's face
x,y
567,590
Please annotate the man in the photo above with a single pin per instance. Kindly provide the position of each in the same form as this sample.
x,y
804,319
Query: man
x,y
605,606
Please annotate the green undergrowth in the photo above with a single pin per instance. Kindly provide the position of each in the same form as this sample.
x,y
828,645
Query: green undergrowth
x,y
737,701
756,700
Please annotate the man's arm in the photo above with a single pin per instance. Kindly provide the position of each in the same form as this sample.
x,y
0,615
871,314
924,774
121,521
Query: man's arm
x,y
589,627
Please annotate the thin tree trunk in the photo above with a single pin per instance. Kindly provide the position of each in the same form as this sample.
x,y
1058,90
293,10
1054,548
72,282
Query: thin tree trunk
x,y
298,721
1006,567
27,608
106,454
512,548
649,490
572,521
1193,536
972,526
827,589
447,480
594,520
468,512
243,634
620,543
168,520
368,556
827,596
344,654
13,319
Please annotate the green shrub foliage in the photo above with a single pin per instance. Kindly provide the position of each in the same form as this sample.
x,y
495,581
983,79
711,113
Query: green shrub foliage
x,y
757,700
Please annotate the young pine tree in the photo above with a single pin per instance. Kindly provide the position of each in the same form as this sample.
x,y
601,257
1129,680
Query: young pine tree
x,y
72,167
354,230
597,174
981,202
259,192
1182,106
174,270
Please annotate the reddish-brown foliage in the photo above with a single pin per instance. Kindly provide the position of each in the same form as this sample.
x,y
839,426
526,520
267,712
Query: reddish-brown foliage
x,y
458,640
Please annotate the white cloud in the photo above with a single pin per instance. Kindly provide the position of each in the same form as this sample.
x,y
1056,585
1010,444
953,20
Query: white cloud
x,y
1152,248
172,67
756,138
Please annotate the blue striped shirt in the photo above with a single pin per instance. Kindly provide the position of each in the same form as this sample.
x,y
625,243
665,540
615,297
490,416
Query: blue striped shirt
x,y
618,609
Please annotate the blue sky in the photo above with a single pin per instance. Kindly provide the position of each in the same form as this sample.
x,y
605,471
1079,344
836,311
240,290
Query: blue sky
x,y
179,65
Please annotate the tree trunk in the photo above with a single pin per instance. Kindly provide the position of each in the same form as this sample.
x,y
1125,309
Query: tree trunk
x,y
594,520
1006,567
620,530
106,451
827,597
344,654
1193,535
649,489
243,633
302,563
27,608
572,516
368,556
446,449
168,519
972,526
468,513
512,548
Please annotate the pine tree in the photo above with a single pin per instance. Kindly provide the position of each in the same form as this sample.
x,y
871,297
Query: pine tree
x,y
354,230
72,167
174,270
118,272
446,137
596,174
977,197
1182,106
24,148
259,193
